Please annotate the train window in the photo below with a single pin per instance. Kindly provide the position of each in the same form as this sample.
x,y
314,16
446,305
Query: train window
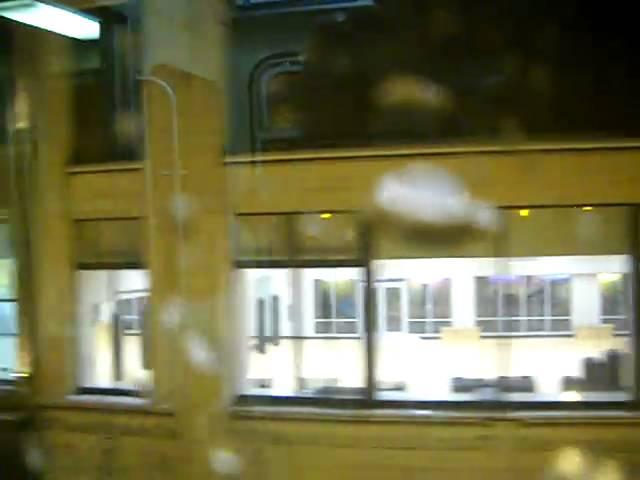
x,y
301,308
508,319
406,73
112,305
511,319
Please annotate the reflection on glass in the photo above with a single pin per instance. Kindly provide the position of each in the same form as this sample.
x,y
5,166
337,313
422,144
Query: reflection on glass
x,y
316,349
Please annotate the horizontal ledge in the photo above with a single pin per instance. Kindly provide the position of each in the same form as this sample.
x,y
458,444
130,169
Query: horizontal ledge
x,y
105,167
399,415
331,154
109,403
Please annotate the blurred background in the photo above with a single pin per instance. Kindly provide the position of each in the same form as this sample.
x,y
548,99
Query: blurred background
x,y
251,239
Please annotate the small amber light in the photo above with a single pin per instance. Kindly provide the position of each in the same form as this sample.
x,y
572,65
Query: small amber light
x,y
326,216
524,213
587,209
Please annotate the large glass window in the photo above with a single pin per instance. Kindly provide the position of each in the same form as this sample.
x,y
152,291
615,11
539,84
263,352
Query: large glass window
x,y
302,308
539,312
522,316
112,305
405,72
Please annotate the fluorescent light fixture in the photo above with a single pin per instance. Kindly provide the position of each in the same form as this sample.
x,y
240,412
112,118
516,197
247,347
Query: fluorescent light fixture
x,y
52,18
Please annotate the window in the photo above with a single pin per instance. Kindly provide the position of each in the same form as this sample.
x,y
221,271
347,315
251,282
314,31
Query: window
x,y
452,77
276,122
431,302
112,305
335,307
523,304
103,74
9,329
614,294
515,319
301,305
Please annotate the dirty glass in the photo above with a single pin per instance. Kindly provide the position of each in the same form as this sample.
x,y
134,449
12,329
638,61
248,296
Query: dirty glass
x,y
411,72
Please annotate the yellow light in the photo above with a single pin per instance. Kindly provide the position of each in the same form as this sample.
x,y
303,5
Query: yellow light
x,y
587,209
609,277
326,216
524,213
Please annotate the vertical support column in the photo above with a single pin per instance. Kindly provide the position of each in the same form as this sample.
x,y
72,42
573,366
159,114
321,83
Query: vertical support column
x,y
190,261
51,247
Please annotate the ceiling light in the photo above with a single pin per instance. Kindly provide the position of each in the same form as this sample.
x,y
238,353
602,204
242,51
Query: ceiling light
x,y
587,209
524,213
326,216
52,18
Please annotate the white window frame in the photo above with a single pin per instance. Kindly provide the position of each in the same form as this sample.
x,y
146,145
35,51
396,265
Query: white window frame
x,y
522,316
429,318
359,299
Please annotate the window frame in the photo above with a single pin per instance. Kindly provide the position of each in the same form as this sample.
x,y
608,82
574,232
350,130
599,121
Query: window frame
x,y
113,390
264,71
523,317
371,328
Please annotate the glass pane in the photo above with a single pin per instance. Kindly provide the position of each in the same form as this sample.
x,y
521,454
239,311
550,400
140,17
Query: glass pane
x,y
345,299
325,236
323,299
536,325
110,357
417,300
454,75
535,348
323,328
560,296
8,318
511,289
281,110
417,327
347,328
7,279
535,296
489,326
310,356
612,286
441,294
393,309
261,237
109,242
486,297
